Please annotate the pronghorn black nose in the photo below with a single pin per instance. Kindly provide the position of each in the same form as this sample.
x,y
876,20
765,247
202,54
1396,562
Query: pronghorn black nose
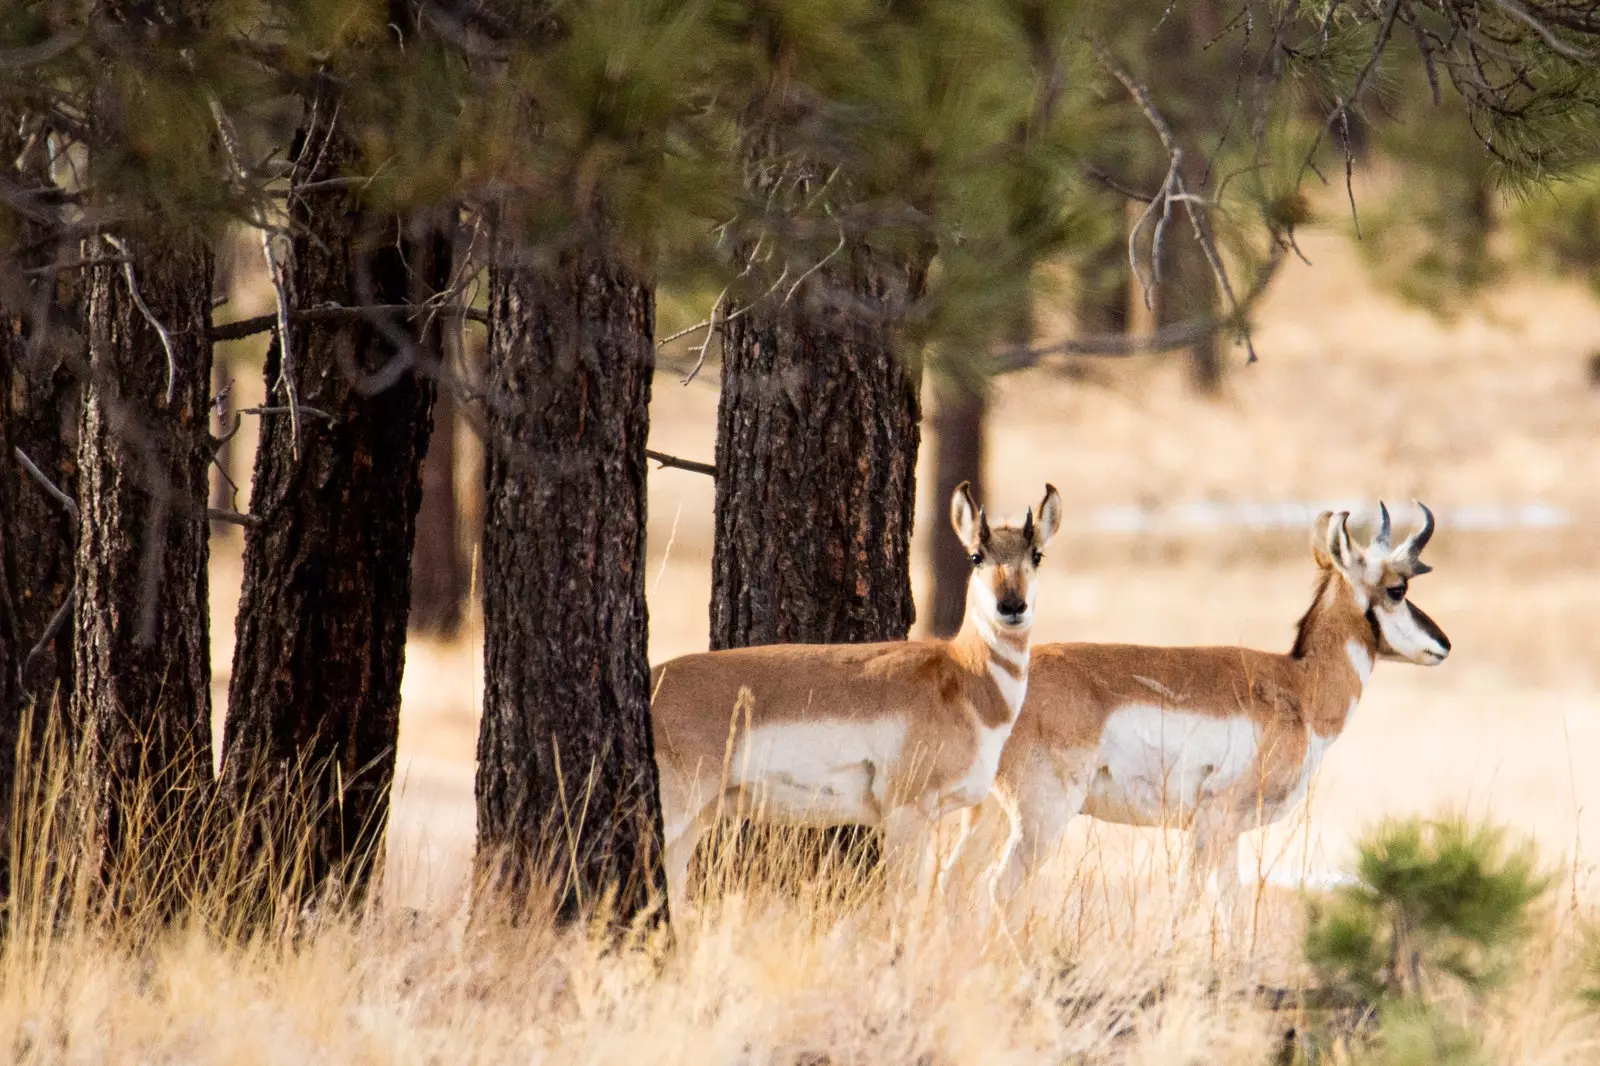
x,y
1012,607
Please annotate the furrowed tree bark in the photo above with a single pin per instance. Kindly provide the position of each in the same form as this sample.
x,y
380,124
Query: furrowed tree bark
x,y
567,795
439,572
41,350
817,435
42,355
314,702
142,684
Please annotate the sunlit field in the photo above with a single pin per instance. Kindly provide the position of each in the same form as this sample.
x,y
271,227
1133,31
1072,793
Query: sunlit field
x,y
1491,419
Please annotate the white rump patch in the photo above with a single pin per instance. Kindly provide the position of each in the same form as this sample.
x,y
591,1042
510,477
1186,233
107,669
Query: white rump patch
x,y
817,772
1158,766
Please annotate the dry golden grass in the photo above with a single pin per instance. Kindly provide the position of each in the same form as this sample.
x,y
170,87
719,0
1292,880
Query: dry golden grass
x,y
1355,397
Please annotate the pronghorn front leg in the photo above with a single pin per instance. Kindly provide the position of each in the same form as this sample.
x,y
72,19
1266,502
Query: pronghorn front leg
x,y
907,847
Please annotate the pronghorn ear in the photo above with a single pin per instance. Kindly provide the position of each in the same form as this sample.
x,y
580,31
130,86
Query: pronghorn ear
x,y
1343,552
965,516
1320,539
1049,516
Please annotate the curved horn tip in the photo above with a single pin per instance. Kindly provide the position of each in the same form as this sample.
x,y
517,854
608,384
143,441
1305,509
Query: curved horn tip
x,y
1381,539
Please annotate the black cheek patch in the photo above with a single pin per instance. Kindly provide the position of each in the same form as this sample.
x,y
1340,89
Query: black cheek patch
x,y
1377,630
1429,626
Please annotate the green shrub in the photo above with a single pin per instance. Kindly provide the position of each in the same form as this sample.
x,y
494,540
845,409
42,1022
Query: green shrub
x,y
1432,898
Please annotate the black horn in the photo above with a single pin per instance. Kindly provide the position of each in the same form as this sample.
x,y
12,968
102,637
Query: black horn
x,y
1381,541
1027,527
1417,541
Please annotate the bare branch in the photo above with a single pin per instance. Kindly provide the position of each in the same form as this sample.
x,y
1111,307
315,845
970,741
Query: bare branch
x,y
1557,45
234,518
681,464
711,331
67,502
57,620
149,316
249,327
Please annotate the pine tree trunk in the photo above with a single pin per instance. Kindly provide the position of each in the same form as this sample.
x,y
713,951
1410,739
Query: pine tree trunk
x,y
567,795
817,434
439,573
40,352
314,703
41,357
142,684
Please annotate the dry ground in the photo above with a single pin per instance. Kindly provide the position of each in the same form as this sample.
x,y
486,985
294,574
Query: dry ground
x,y
1355,397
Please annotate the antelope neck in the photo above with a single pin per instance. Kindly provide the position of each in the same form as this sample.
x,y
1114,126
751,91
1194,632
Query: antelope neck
x,y
1001,652
1337,648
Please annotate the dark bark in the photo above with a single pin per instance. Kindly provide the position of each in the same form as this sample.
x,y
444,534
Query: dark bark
x,y
314,702
817,434
41,357
566,790
960,405
41,352
142,685
439,572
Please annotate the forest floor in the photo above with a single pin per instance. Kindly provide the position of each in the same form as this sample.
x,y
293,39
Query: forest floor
x,y
1356,396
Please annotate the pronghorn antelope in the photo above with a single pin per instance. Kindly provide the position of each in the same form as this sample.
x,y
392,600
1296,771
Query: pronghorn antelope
x,y
1217,740
892,735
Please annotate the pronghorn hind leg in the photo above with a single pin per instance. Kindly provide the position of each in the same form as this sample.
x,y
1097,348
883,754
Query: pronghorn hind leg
x,y
1214,866
678,854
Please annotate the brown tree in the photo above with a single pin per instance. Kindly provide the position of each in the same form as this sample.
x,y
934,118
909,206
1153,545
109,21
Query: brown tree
x,y
314,702
817,434
41,357
142,684
566,789
440,576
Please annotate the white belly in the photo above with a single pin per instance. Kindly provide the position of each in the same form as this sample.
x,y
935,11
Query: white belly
x,y
1157,767
816,773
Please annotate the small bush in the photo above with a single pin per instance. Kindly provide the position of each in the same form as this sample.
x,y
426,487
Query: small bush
x,y
1433,898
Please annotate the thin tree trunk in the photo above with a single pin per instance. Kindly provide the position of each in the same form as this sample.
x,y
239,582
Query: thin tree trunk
x,y
142,691
314,703
567,794
817,435
960,405
1189,289
439,573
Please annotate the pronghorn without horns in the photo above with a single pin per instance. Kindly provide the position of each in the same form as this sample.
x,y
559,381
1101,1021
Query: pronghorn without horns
x,y
891,735
1217,740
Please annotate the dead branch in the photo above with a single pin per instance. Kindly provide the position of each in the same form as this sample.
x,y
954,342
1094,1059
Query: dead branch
x,y
67,503
1177,336
233,518
666,460
149,316
249,327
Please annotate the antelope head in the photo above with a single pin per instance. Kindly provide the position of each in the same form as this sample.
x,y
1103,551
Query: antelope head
x,y
1379,577
1004,557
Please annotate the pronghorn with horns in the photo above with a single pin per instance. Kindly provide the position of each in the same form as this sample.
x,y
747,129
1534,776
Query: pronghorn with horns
x,y
892,735
1218,740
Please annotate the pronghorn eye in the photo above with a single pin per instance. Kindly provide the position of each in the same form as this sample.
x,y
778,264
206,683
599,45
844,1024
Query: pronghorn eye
x,y
977,558
1397,592
1038,557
